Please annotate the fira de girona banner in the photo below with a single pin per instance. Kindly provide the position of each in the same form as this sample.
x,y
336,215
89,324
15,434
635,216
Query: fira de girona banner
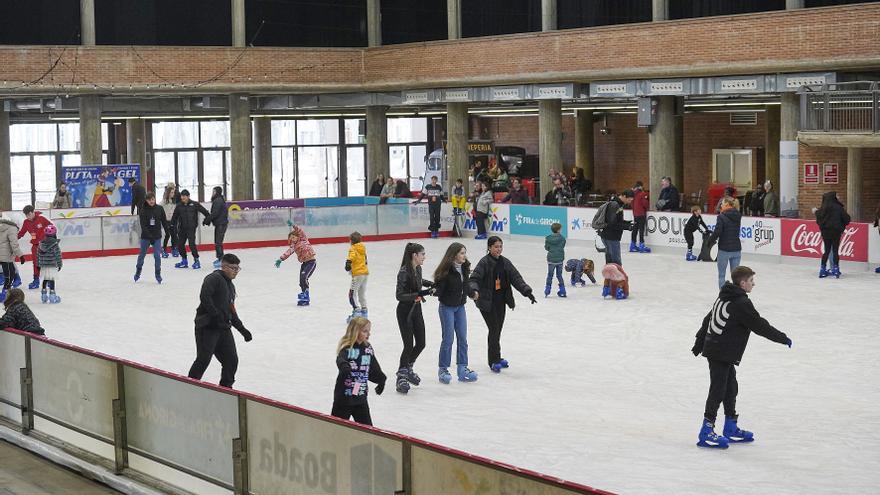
x,y
802,238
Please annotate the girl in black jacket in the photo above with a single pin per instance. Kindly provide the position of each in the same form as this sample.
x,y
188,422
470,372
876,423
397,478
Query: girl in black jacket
x,y
450,285
490,287
726,232
832,220
409,313
357,365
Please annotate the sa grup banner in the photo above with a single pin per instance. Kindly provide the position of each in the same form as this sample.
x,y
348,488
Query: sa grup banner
x,y
100,186
803,238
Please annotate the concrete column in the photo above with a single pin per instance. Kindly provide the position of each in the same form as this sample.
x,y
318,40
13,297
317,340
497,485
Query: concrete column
x,y
90,130
794,4
583,144
678,143
771,146
5,166
548,15
136,148
239,27
377,143
662,144
87,22
549,141
789,117
453,19
854,183
456,144
660,9
241,148
263,156
374,23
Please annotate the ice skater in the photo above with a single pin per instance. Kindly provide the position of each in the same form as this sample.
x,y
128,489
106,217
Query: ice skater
x,y
616,282
434,193
411,291
215,317
9,252
694,223
640,207
49,260
153,220
490,287
220,218
726,232
579,268
554,244
722,340
34,224
832,219
482,207
612,225
18,315
186,219
458,198
305,254
450,285
170,199
357,365
356,264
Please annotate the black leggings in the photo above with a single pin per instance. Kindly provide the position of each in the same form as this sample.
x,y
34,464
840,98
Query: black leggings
x,y
495,322
219,235
8,274
215,342
412,332
722,389
831,242
358,412
171,233
639,224
689,237
480,220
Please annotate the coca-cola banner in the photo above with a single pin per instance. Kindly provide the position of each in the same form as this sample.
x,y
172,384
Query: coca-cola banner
x,y
802,238
874,245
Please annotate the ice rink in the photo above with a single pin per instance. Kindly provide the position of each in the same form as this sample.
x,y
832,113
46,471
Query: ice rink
x,y
600,392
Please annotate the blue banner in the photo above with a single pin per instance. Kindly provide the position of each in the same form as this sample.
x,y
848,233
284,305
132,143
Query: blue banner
x,y
99,186
536,220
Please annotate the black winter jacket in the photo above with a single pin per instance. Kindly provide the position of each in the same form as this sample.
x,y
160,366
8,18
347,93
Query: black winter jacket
x,y
357,365
727,227
153,220
613,231
219,212
186,216
49,252
487,271
20,317
671,197
726,328
138,196
694,222
409,283
216,309
452,289
832,220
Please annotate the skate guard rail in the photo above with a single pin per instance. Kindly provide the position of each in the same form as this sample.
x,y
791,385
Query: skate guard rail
x,y
121,410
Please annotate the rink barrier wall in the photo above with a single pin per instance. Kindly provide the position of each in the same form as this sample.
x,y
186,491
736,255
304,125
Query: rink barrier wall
x,y
115,234
123,411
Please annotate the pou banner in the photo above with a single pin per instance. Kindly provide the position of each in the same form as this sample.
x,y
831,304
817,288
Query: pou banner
x,y
100,186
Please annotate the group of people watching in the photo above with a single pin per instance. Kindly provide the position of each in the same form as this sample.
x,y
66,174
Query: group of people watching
x,y
389,188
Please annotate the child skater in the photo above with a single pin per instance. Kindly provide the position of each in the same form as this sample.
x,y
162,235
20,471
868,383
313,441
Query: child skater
x,y
299,244
18,315
356,263
49,261
450,285
410,295
694,223
554,244
579,268
357,365
722,340
458,198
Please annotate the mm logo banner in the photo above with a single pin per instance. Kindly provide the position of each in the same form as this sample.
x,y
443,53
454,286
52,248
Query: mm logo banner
x,y
536,220
498,218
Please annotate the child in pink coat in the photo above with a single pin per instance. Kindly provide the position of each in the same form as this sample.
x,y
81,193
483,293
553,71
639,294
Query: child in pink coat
x,y
299,244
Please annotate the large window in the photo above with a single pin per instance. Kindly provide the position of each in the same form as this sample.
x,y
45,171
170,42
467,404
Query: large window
x,y
305,158
355,157
407,148
193,155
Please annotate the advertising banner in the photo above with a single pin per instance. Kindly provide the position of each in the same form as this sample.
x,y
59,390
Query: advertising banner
x,y
580,223
75,234
121,232
667,229
100,186
266,204
536,220
874,245
499,219
758,235
802,238
761,235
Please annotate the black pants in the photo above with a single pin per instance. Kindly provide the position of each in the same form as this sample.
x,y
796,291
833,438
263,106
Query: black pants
x,y
358,412
171,233
412,332
434,214
215,342
639,224
219,234
8,274
184,235
722,389
495,322
831,241
689,237
480,220
305,272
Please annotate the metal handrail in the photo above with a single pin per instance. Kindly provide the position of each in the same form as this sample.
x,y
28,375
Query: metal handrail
x,y
852,107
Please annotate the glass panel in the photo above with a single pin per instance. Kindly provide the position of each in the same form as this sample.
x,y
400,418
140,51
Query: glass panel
x,y
163,161
405,130
228,174
175,135
742,170
44,175
71,160
283,132
20,166
317,132
105,139
355,170
722,168
105,159
331,158
187,171
282,173
397,160
215,134
213,172
355,131
68,137
417,166
32,137
20,200
314,164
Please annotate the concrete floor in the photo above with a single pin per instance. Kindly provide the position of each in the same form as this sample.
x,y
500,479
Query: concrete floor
x,y
23,473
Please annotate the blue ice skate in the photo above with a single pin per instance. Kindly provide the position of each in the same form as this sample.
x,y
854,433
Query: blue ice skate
x,y
606,291
690,256
44,296
835,270
54,298
2,295
196,264
158,277
708,438
547,290
16,281
35,284
620,294
633,248
137,274
362,312
734,434
504,363
175,252
217,264
164,254
466,374
480,236
823,272
561,292
444,375
182,264
643,248
305,300
876,270
495,367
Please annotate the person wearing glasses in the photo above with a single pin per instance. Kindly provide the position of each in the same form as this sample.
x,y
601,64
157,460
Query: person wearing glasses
x,y
214,320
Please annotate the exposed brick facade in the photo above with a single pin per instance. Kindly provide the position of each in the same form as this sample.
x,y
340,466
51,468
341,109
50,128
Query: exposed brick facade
x,y
810,195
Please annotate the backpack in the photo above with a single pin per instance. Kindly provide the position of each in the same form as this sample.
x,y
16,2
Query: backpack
x,y
599,222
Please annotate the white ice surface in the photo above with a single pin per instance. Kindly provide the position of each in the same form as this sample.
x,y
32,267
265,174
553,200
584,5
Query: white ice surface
x,y
600,392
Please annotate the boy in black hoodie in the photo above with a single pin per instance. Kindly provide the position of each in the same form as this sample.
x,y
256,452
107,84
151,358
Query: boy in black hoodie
x,y
722,340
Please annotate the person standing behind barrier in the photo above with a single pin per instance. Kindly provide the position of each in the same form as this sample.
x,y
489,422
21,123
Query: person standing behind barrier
x,y
377,185
9,252
186,218
615,225
490,287
62,197
832,219
387,191
34,224
153,221
756,207
669,199
451,288
18,315
726,233
640,207
410,294
138,195
170,198
517,195
220,218
215,317
482,207
771,200
357,365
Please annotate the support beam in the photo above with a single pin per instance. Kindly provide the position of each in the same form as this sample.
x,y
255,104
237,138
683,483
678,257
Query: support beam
x,y
660,10
456,144
377,143
584,145
87,22
789,114
794,4
5,166
771,146
239,26
548,15
453,19
374,23
663,144
549,141
263,156
90,130
241,148
136,149
854,183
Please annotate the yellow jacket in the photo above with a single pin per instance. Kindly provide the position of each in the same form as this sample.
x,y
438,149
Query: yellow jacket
x,y
357,254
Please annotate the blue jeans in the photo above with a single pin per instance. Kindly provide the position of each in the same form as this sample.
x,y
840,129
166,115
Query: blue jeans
x,y
557,267
725,257
157,251
453,319
612,252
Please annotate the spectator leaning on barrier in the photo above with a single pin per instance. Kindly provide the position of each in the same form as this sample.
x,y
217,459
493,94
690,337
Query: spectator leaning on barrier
x,y
377,185
669,199
387,191
62,197
771,200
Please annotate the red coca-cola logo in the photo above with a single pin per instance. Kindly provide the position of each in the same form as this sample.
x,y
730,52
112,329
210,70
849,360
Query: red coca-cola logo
x,y
803,238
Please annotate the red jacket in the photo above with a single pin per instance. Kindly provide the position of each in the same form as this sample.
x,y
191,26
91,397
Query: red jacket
x,y
34,227
640,203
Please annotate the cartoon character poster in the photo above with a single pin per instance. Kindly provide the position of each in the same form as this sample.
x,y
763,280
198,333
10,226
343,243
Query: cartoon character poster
x,y
97,186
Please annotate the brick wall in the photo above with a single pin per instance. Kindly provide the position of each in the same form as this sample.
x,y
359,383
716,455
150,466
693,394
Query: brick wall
x,y
810,195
